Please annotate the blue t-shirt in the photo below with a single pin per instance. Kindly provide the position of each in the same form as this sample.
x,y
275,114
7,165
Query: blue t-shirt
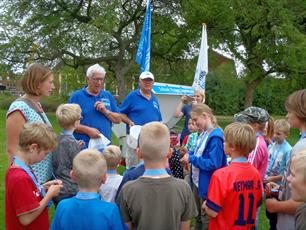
x,y
279,154
92,117
186,111
94,214
139,109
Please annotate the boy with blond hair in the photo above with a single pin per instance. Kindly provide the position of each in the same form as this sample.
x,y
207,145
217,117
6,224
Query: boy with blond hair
x,y
68,117
279,151
86,210
26,200
156,200
235,191
108,191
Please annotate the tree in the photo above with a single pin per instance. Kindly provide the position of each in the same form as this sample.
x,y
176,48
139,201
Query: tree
x,y
266,37
80,33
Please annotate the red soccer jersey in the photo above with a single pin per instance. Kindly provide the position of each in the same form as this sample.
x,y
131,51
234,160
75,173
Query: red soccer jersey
x,y
22,196
234,193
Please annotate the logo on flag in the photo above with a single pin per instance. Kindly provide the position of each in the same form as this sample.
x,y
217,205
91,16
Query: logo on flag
x,y
202,65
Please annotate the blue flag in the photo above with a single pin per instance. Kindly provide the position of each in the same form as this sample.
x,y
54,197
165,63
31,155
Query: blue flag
x,y
144,48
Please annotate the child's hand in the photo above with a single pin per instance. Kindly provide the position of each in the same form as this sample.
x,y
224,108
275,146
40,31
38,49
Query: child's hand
x,y
183,150
52,182
184,159
81,143
204,207
54,190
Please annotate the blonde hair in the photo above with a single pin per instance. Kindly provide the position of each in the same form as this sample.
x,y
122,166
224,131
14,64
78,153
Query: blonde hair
x,y
282,125
241,135
112,155
88,168
33,77
296,103
200,108
299,161
68,114
37,133
202,94
154,141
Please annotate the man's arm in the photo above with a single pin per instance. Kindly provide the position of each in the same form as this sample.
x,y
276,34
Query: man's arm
x,y
91,132
126,120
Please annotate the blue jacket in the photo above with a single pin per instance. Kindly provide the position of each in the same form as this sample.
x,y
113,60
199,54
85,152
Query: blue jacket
x,y
212,158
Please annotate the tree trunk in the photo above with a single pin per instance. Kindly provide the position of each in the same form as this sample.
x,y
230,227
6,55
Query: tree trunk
x,y
250,90
122,90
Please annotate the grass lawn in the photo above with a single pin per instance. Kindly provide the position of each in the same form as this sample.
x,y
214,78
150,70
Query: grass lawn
x,y
4,163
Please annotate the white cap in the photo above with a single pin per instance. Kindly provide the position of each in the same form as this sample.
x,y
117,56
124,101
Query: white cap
x,y
145,75
132,139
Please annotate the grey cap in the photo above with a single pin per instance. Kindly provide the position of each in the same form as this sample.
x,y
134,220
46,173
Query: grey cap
x,y
252,115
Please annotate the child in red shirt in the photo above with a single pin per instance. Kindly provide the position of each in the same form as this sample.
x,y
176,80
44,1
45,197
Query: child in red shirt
x,y
25,199
235,191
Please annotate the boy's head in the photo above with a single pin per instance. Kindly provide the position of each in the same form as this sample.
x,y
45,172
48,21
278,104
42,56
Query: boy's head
x,y
239,138
255,116
192,127
154,142
112,155
281,130
89,168
296,108
37,138
297,178
68,114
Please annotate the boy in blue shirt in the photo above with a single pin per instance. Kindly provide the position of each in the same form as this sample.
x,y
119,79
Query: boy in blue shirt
x,y
86,210
279,154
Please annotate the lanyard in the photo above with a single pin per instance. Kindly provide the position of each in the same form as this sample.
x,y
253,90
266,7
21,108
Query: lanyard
x,y
240,160
303,135
111,171
87,195
28,170
203,139
155,172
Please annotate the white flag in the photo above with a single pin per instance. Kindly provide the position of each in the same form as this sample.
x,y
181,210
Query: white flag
x,y
202,65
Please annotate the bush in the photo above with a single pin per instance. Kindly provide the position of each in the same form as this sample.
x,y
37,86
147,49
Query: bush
x,y
49,104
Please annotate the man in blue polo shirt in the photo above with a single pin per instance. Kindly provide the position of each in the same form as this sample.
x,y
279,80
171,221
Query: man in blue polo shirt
x,y
99,108
140,107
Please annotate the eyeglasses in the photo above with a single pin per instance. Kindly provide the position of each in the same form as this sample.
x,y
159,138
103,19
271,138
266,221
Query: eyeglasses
x,y
97,79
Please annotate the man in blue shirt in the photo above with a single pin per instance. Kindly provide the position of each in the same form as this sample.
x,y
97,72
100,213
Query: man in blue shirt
x,y
99,108
140,107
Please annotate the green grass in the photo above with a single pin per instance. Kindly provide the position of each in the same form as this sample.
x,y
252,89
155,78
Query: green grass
x,y
223,121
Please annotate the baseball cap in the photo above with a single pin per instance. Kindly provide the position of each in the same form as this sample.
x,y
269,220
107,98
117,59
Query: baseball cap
x,y
252,115
132,139
145,75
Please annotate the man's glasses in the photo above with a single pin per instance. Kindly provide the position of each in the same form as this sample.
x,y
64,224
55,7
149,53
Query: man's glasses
x,y
97,79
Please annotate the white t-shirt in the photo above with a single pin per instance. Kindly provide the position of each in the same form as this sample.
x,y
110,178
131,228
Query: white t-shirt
x,y
109,189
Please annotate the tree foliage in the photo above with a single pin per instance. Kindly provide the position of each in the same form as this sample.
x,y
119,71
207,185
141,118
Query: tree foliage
x,y
80,33
267,37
